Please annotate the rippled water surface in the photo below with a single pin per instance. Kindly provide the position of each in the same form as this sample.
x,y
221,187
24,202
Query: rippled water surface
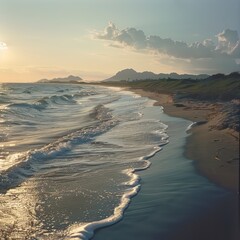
x,y
69,156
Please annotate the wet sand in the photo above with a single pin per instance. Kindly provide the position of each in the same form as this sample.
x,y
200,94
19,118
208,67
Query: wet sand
x,y
216,152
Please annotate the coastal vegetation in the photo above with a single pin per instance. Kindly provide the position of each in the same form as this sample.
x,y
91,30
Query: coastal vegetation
x,y
216,87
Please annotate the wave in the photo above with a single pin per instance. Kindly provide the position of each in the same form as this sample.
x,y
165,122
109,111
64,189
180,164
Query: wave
x,y
25,106
125,113
190,126
56,99
21,165
45,102
31,109
4,98
101,113
85,231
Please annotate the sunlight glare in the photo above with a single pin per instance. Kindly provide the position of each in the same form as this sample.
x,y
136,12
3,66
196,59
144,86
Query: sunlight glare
x,y
3,46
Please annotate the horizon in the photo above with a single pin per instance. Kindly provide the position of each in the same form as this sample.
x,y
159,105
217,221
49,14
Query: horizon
x,y
91,39
100,80
82,79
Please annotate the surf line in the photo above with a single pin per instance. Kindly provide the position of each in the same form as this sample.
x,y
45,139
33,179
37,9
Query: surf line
x,y
85,231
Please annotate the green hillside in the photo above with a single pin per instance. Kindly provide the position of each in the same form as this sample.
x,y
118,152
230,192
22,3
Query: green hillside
x,y
216,87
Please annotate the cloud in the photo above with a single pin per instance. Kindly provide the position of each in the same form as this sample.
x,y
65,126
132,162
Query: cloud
x,y
227,40
109,32
235,52
128,37
3,46
228,43
227,49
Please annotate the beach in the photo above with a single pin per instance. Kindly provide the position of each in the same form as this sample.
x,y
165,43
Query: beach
x,y
177,201
216,152
187,193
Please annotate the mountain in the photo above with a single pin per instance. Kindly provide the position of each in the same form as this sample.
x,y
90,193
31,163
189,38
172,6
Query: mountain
x,y
69,79
132,75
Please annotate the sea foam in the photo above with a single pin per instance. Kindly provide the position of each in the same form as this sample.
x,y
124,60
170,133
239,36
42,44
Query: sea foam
x,y
85,231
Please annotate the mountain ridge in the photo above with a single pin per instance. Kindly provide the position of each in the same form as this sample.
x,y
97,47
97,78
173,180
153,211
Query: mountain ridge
x,y
130,74
69,79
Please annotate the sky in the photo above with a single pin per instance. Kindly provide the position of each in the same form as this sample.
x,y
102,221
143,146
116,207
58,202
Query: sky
x,y
94,39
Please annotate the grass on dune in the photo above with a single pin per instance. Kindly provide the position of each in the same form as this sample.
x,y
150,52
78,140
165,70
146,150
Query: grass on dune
x,y
216,87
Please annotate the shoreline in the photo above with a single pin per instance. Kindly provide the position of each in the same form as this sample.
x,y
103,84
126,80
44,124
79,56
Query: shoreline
x,y
215,152
175,201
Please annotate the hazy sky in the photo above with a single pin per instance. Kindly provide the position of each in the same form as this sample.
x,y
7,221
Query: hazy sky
x,y
96,38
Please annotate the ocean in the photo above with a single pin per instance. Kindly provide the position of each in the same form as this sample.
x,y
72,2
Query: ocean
x,y
72,158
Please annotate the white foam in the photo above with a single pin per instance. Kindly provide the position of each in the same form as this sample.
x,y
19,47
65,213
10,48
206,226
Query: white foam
x,y
85,231
190,126
135,179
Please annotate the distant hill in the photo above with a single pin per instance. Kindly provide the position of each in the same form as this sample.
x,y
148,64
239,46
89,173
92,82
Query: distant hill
x,y
132,75
69,79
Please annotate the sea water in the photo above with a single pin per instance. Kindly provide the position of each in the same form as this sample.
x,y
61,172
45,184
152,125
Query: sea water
x,y
70,156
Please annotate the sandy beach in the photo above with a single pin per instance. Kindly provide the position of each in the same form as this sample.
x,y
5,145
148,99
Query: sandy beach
x,y
216,152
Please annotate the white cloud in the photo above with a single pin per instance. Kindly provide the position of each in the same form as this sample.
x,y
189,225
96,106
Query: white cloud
x,y
109,32
228,41
227,49
209,44
235,51
128,37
